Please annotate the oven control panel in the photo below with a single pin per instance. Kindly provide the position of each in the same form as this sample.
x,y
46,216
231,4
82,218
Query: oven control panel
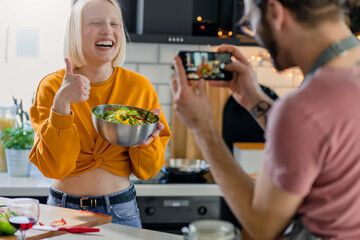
x,y
182,210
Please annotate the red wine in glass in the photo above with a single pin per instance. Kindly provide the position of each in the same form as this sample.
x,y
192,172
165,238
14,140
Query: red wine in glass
x,y
23,213
22,222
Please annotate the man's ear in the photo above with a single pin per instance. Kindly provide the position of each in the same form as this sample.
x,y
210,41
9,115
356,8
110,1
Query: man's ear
x,y
275,14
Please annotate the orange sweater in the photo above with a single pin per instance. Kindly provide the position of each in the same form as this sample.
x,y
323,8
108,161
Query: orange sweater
x,y
68,145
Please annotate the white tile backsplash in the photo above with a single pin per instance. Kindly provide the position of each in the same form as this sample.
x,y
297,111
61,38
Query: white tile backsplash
x,y
156,73
164,94
130,66
142,52
168,51
208,47
167,112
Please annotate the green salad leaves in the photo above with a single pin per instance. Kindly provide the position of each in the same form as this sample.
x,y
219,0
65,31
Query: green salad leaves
x,y
127,116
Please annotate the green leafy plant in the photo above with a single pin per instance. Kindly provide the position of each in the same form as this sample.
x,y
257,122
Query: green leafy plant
x,y
18,137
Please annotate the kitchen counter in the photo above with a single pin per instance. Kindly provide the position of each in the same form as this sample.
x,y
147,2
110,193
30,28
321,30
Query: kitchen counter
x,y
72,217
37,185
116,231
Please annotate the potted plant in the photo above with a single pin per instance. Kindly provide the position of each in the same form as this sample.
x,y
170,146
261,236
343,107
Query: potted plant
x,y
18,142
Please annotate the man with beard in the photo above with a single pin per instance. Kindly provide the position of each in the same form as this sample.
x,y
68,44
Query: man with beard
x,y
310,175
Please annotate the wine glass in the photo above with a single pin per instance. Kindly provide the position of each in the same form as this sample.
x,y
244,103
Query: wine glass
x,y
23,213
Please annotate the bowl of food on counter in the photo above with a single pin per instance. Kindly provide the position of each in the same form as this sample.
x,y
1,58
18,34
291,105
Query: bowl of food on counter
x,y
123,125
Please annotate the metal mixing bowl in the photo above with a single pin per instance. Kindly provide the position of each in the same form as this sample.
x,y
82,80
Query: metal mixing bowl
x,y
122,134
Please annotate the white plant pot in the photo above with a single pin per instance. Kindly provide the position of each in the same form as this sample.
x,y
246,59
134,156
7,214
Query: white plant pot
x,y
18,163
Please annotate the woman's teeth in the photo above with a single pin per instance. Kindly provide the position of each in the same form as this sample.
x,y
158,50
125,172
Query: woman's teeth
x,y
104,44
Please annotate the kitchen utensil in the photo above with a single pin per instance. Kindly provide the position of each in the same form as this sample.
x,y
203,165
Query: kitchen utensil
x,y
182,170
186,165
122,134
72,229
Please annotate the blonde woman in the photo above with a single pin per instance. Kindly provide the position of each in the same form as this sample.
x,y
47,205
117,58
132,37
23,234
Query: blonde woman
x,y
88,172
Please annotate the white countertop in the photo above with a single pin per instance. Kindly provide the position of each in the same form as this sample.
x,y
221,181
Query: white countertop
x,y
37,185
116,231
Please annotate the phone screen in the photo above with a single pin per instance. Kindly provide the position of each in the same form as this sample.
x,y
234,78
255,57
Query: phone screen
x,y
206,65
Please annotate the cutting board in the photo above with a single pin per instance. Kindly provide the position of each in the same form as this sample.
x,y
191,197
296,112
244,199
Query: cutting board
x,y
72,217
121,232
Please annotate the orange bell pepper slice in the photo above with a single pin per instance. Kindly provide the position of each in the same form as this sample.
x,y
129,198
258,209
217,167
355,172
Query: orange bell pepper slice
x,y
58,223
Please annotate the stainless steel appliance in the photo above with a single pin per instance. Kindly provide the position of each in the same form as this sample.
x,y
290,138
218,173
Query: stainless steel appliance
x,y
170,206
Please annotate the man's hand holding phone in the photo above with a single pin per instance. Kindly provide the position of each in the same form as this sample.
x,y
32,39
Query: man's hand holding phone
x,y
244,86
192,107
241,79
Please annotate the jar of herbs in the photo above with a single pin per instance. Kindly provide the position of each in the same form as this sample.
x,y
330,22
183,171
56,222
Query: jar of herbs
x,y
7,120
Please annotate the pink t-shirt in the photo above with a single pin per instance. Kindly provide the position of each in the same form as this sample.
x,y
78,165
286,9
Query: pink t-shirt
x,y
313,150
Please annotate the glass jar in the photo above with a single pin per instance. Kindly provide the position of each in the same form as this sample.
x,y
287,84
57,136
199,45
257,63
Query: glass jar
x,y
7,119
211,229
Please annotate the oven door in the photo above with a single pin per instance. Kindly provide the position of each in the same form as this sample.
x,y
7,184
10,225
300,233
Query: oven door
x,y
170,214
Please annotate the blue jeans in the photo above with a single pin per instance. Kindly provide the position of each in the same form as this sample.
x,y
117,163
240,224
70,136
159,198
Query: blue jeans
x,y
126,213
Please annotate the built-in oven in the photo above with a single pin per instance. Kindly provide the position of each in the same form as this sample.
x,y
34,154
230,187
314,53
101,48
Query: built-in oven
x,y
171,214
168,207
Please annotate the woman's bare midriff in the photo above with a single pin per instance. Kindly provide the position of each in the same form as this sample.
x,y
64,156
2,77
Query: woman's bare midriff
x,y
96,182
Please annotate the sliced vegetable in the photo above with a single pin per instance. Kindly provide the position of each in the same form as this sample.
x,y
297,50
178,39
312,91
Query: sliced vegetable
x,y
58,223
138,118
126,116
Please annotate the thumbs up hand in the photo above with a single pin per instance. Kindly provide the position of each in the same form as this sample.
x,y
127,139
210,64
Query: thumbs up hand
x,y
75,88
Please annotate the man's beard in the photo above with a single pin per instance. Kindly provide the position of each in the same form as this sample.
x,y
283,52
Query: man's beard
x,y
265,39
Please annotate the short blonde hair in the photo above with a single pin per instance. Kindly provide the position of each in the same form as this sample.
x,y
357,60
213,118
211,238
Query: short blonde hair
x,y
73,36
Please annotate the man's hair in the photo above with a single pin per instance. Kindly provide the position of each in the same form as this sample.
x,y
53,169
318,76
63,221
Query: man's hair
x,y
73,36
313,12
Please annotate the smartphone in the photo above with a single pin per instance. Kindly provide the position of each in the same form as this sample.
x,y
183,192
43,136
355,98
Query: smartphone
x,y
206,65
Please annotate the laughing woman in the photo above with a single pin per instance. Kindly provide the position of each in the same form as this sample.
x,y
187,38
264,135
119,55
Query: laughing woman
x,y
88,172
